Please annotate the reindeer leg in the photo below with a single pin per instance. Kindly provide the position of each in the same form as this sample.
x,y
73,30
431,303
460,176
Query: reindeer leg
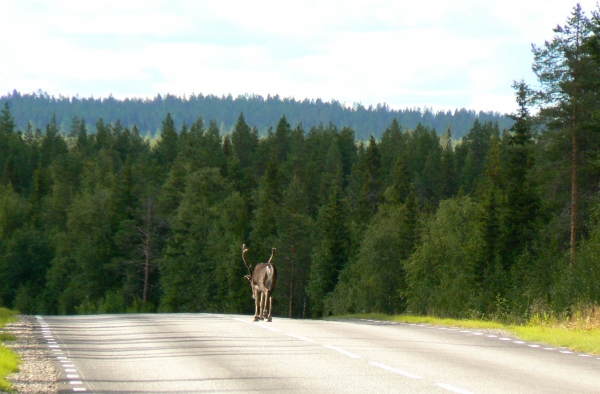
x,y
267,298
256,305
263,301
270,309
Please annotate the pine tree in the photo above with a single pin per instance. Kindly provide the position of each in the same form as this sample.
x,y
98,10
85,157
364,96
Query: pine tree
x,y
568,75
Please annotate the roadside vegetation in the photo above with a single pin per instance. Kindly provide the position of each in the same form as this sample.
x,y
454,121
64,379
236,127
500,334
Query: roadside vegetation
x,y
9,360
578,330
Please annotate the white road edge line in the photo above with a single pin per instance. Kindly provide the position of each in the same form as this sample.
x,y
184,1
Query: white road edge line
x,y
345,352
453,389
398,371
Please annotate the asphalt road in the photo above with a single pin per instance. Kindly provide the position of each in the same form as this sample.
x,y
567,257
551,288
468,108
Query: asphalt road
x,y
196,353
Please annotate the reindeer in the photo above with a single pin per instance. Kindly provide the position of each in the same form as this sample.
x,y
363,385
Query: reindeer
x,y
263,281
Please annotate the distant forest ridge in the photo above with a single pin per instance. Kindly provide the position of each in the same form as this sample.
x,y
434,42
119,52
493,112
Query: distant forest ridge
x,y
262,113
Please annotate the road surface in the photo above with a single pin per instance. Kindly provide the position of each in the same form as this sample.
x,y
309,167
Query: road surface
x,y
196,353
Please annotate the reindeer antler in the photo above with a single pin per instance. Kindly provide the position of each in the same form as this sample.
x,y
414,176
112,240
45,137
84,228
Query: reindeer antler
x,y
272,254
244,250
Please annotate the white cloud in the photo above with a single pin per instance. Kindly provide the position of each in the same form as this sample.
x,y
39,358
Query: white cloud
x,y
439,54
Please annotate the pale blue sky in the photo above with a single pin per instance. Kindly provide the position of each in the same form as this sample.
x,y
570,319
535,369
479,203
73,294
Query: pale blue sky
x,y
438,54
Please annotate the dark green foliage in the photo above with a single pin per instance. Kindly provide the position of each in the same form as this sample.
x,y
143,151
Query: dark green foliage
x,y
105,220
331,250
375,282
167,147
441,275
199,271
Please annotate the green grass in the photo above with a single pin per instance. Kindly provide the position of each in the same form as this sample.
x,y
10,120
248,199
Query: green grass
x,y
576,339
7,316
585,341
9,360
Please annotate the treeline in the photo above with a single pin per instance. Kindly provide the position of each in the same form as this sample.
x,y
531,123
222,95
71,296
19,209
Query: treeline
x,y
506,223
263,113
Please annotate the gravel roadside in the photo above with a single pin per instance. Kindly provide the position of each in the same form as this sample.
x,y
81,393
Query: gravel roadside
x,y
36,372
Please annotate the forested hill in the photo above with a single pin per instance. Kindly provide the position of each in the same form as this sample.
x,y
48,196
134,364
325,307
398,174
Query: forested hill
x,y
259,112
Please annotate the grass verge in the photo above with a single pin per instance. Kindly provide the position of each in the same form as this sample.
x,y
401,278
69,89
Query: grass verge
x,y
9,360
576,339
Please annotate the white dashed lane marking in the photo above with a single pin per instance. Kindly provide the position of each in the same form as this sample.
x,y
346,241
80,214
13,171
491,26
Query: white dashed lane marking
x,y
394,370
269,328
345,352
453,389
299,337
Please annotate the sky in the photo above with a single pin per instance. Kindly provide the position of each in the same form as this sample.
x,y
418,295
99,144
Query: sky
x,y
428,53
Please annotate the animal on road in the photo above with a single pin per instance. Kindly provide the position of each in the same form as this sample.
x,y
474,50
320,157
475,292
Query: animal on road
x,y
262,280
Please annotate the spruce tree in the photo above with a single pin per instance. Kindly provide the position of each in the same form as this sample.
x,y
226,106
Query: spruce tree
x,y
167,147
244,141
331,252
522,203
448,171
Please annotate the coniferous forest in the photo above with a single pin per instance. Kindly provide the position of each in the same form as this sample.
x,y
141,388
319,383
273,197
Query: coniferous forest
x,y
503,222
262,113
